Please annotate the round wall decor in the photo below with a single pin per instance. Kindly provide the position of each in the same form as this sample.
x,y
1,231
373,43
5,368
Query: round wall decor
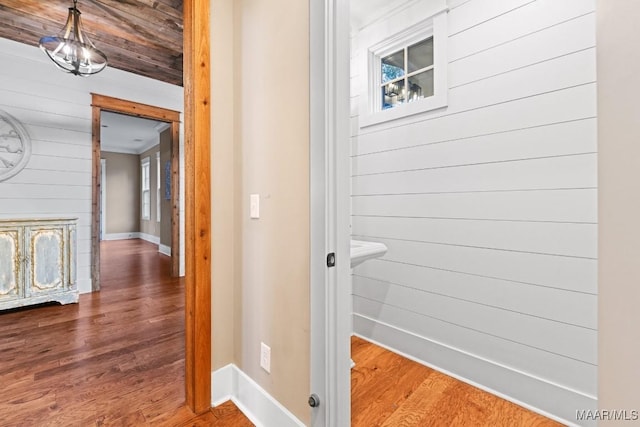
x,y
15,146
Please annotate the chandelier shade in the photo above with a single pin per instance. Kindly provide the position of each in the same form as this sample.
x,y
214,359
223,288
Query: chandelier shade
x,y
71,50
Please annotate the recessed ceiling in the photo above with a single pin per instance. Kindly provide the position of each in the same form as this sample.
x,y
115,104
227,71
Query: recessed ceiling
x,y
127,134
140,36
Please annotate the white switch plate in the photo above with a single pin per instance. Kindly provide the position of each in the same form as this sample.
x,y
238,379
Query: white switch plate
x,y
265,357
254,202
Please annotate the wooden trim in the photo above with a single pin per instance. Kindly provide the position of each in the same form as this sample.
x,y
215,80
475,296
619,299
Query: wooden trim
x,y
101,103
197,72
175,199
96,200
116,105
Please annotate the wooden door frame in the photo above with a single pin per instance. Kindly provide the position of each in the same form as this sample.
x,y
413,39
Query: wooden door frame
x,y
101,103
197,130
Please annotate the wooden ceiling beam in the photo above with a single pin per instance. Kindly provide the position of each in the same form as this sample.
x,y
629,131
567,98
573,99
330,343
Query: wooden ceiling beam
x,y
140,36
162,66
135,23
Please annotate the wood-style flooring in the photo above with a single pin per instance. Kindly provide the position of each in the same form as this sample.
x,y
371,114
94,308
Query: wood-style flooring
x,y
114,359
389,390
117,359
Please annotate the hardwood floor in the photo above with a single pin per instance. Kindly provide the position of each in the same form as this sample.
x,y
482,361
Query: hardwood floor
x,y
117,359
114,359
389,390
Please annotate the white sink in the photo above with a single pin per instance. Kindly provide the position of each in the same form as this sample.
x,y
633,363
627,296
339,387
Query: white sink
x,y
362,251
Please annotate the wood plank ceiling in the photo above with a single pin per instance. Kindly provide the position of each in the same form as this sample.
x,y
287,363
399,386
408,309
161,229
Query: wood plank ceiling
x,y
140,36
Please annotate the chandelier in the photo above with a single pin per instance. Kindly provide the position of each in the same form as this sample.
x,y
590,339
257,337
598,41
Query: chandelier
x,y
71,50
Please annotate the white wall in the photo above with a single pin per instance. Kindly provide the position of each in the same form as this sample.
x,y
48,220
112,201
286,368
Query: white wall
x,y
55,109
489,206
122,208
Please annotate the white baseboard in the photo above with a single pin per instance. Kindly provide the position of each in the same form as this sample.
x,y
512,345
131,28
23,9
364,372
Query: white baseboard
x,y
133,235
122,236
230,383
544,397
164,249
150,238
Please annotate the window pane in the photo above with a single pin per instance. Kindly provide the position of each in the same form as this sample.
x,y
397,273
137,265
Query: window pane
x,y
146,204
421,55
158,205
145,176
421,85
393,66
393,94
158,170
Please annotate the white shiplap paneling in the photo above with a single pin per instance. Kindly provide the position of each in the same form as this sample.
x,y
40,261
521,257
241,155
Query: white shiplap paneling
x,y
563,39
573,103
557,338
489,207
536,16
12,190
574,171
535,206
55,109
538,301
473,13
559,139
564,239
570,273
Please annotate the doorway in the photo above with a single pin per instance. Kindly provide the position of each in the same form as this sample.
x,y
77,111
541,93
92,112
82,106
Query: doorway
x,y
104,103
197,177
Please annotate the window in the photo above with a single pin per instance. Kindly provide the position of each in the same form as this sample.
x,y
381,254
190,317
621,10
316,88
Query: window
x,y
146,190
406,72
407,75
158,199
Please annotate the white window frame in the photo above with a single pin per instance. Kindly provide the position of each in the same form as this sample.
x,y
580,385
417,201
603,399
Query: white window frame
x,y
145,188
158,186
371,106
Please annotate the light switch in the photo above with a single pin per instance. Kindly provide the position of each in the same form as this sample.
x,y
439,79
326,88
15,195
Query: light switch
x,y
254,202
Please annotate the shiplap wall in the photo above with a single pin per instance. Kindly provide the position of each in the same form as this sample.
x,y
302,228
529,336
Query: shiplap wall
x,y
55,109
489,206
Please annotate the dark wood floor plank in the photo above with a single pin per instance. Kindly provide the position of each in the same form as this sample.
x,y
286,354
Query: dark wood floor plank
x,y
114,359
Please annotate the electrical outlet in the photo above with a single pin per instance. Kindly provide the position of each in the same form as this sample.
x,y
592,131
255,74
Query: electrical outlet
x,y
265,357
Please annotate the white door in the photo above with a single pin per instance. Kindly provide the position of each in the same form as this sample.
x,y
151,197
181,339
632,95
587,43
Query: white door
x,y
330,210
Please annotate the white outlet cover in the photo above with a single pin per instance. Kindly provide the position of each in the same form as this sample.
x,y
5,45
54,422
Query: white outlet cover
x,y
265,357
